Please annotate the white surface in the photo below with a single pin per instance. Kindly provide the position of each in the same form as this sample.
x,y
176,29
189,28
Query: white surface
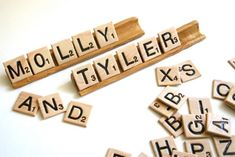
x,y
120,117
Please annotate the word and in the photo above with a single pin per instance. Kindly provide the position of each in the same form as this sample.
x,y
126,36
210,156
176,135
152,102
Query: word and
x,y
51,105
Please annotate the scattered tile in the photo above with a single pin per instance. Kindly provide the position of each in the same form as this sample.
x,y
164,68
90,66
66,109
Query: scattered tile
x,y
200,147
225,147
220,89
51,105
194,125
168,76
163,146
77,113
116,153
173,124
218,125
172,98
27,103
199,105
161,108
188,71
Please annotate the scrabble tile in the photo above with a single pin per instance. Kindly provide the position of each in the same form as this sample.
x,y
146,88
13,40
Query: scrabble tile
x,y
77,113
163,147
27,103
17,69
221,89
199,105
116,153
173,124
64,51
194,125
188,71
106,67
149,48
84,43
200,147
142,155
40,60
172,98
225,147
218,125
85,76
182,154
161,108
169,39
168,76
129,57
232,62
230,99
51,105
105,34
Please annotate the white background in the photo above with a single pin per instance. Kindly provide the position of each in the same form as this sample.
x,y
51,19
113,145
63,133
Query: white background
x,y
120,117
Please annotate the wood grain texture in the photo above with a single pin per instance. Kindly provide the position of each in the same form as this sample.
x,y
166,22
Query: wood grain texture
x,y
127,30
189,35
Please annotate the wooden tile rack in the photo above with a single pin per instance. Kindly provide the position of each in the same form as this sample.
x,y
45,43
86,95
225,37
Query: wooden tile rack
x,y
189,34
127,30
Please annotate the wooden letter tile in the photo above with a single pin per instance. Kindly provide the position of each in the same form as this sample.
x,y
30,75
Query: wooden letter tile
x,y
106,67
199,105
172,98
168,76
230,99
194,125
232,62
106,34
182,154
161,108
77,113
149,48
173,124
51,105
17,69
40,60
85,76
188,71
225,147
64,51
129,57
221,89
200,147
27,103
169,39
163,147
142,155
218,125
116,153
84,43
